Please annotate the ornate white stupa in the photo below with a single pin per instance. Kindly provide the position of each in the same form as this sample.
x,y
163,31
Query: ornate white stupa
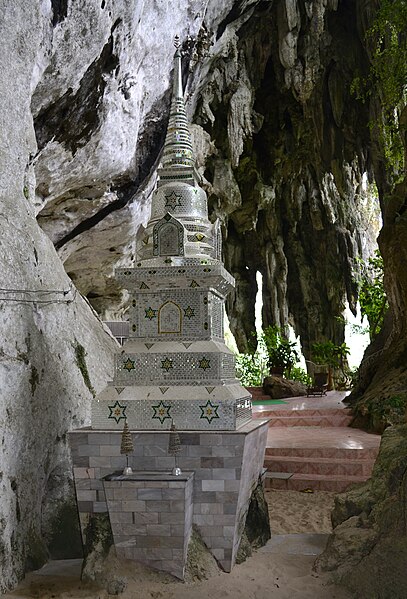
x,y
175,367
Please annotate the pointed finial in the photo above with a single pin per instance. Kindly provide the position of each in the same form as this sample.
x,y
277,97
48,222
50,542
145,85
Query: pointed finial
x,y
178,152
177,86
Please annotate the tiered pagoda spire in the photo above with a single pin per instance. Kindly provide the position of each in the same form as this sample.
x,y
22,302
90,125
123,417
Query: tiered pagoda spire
x,y
175,366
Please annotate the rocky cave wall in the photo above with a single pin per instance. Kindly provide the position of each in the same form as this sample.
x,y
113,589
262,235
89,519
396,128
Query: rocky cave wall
x,y
282,146
54,352
294,156
275,132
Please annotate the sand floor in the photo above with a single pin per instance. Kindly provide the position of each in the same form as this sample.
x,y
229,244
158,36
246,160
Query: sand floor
x,y
268,574
296,512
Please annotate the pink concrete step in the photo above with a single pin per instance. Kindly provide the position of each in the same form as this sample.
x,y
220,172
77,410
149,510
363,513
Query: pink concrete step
x,y
316,482
335,418
309,445
324,466
312,453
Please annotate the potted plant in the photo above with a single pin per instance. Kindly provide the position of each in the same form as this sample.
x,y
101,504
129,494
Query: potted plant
x,y
282,354
328,355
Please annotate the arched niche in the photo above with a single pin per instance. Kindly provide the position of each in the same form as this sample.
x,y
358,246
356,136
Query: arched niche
x,y
168,237
169,318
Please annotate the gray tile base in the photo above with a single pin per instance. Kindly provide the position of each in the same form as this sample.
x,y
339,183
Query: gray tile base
x,y
226,466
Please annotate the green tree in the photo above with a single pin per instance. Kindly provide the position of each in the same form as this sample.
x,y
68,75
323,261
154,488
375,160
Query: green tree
x,y
331,355
281,352
372,295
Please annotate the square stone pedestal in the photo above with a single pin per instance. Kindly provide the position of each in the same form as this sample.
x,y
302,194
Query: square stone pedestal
x,y
227,466
151,518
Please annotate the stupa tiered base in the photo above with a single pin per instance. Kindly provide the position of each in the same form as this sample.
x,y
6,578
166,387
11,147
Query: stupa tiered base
x,y
149,408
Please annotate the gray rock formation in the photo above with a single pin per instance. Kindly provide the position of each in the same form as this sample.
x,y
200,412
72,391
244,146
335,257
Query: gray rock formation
x,y
368,549
53,352
278,387
274,121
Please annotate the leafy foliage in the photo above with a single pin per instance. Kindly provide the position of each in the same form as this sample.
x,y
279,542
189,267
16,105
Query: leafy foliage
x,y
372,295
392,411
273,349
387,79
251,369
384,411
281,352
330,354
299,374
334,358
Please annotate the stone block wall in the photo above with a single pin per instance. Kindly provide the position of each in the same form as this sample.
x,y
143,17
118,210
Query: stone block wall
x,y
151,518
226,467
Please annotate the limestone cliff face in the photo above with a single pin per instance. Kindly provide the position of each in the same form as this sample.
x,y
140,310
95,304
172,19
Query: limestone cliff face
x,y
287,178
53,349
100,111
367,551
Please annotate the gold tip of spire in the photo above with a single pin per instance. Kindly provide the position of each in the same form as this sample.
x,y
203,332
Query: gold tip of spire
x,y
177,42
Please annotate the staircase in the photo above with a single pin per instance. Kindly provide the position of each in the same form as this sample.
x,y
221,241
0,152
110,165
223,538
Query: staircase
x,y
310,445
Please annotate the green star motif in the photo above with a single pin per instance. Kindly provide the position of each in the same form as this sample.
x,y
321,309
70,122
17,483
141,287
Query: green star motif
x,y
209,411
161,411
129,365
117,412
166,364
204,363
189,312
150,313
173,200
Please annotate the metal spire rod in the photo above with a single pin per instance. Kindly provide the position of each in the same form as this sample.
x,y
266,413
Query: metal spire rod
x,y
177,84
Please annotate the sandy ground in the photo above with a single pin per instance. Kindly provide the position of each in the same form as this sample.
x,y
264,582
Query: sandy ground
x,y
266,575
296,512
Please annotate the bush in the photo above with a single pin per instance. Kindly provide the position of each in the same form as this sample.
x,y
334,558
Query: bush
x,y
298,374
251,369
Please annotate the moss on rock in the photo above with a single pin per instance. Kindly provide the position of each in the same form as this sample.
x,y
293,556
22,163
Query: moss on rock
x,y
99,539
80,355
368,549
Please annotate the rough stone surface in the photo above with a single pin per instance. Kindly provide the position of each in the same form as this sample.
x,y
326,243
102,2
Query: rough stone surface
x,y
368,549
97,541
43,329
201,564
278,387
257,526
268,102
